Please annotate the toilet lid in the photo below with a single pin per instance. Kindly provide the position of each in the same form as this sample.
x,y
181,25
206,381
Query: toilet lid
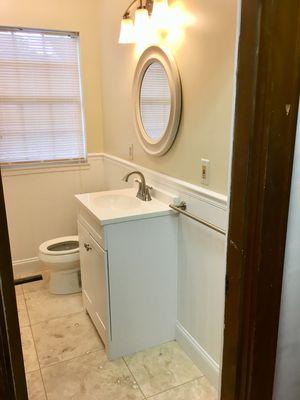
x,y
59,246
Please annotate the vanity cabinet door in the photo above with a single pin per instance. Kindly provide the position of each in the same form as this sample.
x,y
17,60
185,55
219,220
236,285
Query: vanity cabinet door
x,y
93,261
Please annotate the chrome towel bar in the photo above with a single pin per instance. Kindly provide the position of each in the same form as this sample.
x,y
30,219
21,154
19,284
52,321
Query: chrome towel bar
x,y
181,208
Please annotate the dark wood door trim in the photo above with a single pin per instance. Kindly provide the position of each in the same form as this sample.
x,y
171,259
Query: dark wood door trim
x,y
12,374
268,88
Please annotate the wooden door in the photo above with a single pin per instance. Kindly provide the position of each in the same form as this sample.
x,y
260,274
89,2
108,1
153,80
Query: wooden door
x,y
12,374
268,86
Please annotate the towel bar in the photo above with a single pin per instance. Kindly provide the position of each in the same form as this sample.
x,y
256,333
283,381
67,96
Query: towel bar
x,y
181,208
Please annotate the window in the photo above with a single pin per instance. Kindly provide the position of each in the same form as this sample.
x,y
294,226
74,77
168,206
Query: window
x,y
41,117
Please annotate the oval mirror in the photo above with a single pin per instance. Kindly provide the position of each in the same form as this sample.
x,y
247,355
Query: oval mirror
x,y
157,100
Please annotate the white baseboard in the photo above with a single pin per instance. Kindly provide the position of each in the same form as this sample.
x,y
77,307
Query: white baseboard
x,y
27,266
198,355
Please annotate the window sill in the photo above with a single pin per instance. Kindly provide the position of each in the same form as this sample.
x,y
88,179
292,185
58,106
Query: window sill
x,y
42,168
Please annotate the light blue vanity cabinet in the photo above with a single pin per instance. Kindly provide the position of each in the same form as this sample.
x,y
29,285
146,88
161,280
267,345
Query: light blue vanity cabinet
x,y
129,278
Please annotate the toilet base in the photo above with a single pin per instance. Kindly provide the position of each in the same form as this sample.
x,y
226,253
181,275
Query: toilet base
x,y
65,282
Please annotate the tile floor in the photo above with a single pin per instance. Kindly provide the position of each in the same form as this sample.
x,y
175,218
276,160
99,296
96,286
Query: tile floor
x,y
65,359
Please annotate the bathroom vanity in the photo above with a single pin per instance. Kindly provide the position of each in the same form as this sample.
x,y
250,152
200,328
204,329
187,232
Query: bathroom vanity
x,y
128,252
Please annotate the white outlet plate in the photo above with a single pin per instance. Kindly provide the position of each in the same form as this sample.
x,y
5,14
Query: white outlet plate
x,y
205,171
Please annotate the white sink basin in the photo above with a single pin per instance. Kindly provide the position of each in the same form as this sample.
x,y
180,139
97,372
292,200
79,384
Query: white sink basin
x,y
121,205
117,202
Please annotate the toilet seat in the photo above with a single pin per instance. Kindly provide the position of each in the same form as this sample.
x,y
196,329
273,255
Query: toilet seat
x,y
61,257
48,247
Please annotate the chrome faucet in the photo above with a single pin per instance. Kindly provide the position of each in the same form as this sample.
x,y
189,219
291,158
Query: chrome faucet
x,y
144,190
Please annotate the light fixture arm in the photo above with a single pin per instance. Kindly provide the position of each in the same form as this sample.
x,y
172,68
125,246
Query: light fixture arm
x,y
138,17
148,6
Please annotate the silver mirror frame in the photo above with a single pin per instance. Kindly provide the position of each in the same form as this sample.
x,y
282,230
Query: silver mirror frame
x,y
165,57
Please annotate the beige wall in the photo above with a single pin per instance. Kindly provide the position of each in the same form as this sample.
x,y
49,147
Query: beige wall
x,y
206,63
71,15
205,60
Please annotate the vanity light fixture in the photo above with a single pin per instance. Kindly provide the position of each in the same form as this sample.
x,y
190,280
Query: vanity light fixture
x,y
148,16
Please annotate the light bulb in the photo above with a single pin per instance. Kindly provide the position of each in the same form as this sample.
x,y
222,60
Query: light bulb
x,y
142,24
127,33
160,14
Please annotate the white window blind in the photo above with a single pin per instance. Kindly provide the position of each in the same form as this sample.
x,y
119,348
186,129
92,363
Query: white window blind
x,y
41,117
155,100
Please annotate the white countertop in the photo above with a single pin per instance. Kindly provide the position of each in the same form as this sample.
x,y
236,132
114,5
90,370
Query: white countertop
x,y
116,206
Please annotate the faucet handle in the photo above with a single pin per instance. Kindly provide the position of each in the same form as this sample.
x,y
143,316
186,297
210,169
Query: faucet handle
x,y
146,186
147,193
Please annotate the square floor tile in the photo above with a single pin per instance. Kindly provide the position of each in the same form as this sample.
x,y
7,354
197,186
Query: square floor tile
x,y
64,338
35,386
90,377
22,311
29,353
199,389
162,368
42,305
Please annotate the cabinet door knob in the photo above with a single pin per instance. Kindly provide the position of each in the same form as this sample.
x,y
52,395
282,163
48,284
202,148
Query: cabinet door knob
x,y
87,246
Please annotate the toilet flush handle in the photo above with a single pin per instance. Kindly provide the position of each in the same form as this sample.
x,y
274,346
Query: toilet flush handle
x,y
88,247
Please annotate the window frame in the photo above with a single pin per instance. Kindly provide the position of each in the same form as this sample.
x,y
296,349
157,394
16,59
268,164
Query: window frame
x,y
68,162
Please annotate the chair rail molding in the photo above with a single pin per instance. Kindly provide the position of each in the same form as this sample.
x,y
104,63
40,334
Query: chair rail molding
x,y
209,205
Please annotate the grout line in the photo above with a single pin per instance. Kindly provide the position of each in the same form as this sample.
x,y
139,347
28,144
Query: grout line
x,y
21,287
29,320
26,311
43,382
38,360
25,300
59,317
37,357
135,380
175,387
51,319
73,358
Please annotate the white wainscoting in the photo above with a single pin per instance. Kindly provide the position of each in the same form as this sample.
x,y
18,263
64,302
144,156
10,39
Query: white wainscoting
x,y
208,205
202,263
40,205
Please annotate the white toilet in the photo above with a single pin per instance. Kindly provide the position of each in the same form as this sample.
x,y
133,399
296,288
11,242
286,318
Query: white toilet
x,y
61,257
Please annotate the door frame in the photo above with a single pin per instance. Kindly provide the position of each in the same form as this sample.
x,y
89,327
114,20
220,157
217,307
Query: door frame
x,y
268,86
12,372
264,134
